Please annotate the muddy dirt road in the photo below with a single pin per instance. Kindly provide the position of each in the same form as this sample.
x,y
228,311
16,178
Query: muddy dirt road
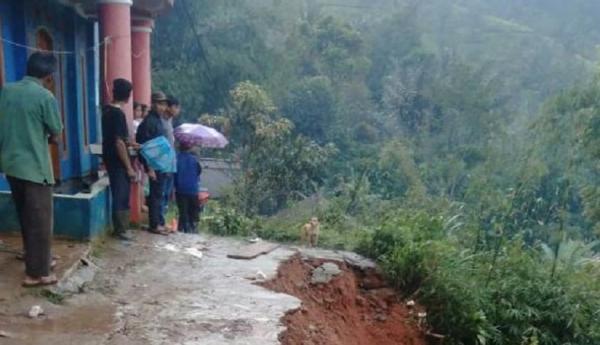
x,y
157,291
183,290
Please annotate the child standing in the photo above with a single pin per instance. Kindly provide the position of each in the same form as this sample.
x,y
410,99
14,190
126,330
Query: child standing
x,y
187,186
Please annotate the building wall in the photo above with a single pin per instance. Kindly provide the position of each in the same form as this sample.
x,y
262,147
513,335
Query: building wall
x,y
13,28
75,80
82,215
217,175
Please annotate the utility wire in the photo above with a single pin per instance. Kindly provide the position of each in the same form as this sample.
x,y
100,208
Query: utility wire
x,y
57,52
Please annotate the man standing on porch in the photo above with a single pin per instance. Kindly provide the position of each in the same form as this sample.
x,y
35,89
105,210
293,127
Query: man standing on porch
x,y
115,153
29,119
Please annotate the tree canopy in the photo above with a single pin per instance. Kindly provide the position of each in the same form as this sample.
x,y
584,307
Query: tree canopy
x,y
458,140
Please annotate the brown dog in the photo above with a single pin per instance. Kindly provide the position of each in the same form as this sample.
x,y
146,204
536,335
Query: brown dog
x,y
310,232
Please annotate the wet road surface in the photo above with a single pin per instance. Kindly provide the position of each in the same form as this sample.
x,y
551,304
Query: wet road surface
x,y
155,291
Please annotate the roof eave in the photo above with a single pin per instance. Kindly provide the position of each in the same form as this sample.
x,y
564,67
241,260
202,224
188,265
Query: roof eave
x,y
146,8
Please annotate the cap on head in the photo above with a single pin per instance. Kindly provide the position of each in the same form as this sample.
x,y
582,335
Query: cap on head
x,y
158,97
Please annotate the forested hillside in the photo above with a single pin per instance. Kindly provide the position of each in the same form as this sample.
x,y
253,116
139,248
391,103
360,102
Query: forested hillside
x,y
457,142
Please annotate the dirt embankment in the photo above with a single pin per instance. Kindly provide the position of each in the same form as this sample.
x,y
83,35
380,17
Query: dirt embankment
x,y
354,308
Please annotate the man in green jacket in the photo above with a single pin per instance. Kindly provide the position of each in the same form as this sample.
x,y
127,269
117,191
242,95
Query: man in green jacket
x,y
29,120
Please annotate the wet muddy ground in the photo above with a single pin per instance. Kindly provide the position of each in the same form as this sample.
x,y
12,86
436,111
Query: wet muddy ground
x,y
12,270
183,289
158,291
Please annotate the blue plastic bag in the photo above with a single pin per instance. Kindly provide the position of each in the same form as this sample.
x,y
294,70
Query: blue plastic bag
x,y
159,155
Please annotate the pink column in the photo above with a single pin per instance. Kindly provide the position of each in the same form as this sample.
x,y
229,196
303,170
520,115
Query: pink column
x,y
115,32
141,29
141,63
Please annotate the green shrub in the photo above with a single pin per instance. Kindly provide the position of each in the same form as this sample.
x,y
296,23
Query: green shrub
x,y
503,297
400,228
405,266
225,221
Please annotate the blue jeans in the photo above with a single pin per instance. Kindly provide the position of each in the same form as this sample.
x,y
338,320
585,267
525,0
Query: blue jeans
x,y
168,191
155,199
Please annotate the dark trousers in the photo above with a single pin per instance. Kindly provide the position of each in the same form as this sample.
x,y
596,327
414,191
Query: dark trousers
x,y
155,199
33,202
120,188
188,212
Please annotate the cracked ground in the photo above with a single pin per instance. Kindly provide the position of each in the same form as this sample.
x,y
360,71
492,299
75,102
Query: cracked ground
x,y
156,290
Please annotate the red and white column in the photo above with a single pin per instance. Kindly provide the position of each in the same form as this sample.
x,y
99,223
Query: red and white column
x,y
141,29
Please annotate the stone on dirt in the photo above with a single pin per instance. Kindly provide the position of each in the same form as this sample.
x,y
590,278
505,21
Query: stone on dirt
x,y
4,334
260,275
35,311
325,273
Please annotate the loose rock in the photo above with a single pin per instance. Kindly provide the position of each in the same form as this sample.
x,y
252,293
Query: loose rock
x,y
381,318
260,275
325,273
4,334
35,312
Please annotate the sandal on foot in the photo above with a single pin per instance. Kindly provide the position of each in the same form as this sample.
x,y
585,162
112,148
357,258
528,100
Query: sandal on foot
x,y
42,281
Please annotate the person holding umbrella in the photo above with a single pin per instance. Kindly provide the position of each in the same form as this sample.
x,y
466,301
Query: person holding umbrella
x,y
187,187
187,178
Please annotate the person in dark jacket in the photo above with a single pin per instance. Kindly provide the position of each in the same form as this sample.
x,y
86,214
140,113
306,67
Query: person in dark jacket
x,y
115,142
187,187
171,114
150,128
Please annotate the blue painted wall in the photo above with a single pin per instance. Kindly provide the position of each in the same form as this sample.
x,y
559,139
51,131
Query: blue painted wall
x,y
74,217
13,29
76,96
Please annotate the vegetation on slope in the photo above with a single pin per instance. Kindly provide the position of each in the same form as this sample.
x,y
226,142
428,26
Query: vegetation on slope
x,y
456,143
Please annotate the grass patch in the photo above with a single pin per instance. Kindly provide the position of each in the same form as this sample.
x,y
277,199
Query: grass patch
x,y
53,297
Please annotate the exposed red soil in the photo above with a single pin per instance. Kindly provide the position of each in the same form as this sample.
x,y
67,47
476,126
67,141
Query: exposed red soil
x,y
355,308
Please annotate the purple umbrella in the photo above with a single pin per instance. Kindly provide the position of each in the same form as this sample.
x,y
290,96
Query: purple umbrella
x,y
198,135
